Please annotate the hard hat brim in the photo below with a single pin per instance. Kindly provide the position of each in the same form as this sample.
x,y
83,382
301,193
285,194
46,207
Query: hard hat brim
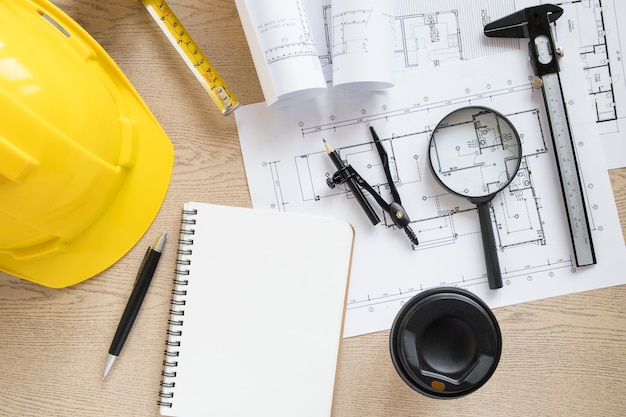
x,y
138,200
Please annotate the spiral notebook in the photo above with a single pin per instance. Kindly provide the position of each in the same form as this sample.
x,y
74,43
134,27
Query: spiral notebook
x,y
257,313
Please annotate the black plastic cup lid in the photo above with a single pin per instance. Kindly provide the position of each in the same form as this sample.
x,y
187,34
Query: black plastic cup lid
x,y
445,342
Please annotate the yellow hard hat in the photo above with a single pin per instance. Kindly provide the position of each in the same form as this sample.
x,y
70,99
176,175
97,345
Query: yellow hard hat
x,y
84,165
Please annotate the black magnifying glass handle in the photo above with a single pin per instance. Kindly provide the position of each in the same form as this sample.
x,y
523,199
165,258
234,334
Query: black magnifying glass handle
x,y
492,263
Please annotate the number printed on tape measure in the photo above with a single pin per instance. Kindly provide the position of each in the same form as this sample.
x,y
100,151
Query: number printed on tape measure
x,y
187,48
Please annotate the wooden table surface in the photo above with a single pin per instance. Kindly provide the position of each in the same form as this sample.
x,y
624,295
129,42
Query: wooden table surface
x,y
564,356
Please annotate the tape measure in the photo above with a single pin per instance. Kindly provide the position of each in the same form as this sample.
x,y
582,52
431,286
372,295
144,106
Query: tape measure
x,y
192,55
571,184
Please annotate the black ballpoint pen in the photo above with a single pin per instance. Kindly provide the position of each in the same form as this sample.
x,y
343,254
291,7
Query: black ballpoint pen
x,y
142,282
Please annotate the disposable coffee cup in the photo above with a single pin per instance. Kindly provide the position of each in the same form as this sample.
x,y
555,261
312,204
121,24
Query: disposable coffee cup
x,y
445,342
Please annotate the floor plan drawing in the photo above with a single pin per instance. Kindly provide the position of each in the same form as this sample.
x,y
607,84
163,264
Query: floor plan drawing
x,y
433,33
599,48
516,212
428,40
325,41
426,33
451,30
287,170
349,32
299,40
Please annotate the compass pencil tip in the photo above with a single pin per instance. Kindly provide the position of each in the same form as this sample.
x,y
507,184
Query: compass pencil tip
x,y
329,149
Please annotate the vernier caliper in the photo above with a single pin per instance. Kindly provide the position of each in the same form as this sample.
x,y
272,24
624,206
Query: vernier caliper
x,y
534,23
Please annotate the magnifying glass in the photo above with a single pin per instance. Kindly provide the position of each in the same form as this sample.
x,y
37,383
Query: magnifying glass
x,y
476,152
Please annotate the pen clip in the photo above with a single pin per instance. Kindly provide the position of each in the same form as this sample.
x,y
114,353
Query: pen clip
x,y
143,263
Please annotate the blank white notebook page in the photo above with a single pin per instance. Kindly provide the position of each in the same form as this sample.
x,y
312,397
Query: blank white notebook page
x,y
264,301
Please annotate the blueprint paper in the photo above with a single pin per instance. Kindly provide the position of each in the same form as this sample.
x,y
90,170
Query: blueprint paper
x,y
363,58
285,51
439,33
600,50
287,167
282,48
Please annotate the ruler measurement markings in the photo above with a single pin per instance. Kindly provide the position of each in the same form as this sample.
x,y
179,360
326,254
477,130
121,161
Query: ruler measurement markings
x,y
568,170
191,54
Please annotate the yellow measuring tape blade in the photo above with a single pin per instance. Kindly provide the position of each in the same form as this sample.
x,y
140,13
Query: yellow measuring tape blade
x,y
192,55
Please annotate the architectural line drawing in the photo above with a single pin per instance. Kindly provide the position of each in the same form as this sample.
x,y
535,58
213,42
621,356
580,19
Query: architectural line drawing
x,y
516,213
287,170
597,59
349,34
429,39
299,43
433,33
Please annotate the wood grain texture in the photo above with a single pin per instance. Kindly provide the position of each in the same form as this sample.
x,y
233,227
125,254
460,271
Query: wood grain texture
x,y
563,356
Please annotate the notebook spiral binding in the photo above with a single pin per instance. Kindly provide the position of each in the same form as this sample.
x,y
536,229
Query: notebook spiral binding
x,y
177,309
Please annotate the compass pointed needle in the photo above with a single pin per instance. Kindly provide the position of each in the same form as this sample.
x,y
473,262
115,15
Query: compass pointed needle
x,y
411,234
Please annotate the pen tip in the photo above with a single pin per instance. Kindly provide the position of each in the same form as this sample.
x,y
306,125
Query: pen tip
x,y
160,242
107,367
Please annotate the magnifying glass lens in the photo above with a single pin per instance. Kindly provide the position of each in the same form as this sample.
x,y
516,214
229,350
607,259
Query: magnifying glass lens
x,y
475,152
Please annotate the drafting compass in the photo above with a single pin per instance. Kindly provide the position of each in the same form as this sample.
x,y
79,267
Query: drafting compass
x,y
534,23
347,174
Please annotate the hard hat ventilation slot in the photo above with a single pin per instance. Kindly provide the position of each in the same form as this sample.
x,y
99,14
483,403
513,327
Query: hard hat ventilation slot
x,y
54,23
